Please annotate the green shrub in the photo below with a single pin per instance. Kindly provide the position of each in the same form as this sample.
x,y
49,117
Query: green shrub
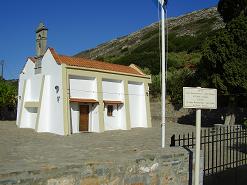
x,y
155,86
8,94
245,123
176,80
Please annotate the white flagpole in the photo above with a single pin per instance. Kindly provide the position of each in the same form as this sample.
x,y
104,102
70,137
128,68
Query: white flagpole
x,y
163,90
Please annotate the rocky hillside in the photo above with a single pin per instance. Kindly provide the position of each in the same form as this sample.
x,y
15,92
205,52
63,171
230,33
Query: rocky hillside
x,y
195,25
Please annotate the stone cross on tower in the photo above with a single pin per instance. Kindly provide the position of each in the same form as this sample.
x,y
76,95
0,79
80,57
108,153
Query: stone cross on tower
x,y
41,40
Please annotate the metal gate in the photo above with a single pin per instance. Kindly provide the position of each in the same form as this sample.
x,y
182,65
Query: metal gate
x,y
225,153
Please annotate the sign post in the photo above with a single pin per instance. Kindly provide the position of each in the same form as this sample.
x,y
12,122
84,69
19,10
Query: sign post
x,y
198,144
199,98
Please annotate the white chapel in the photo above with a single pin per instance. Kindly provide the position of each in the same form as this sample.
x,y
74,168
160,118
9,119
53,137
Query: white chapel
x,y
66,95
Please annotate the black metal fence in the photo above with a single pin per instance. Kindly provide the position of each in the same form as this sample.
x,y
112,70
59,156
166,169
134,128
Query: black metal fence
x,y
223,147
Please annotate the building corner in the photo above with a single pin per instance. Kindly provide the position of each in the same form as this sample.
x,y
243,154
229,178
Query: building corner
x,y
126,103
101,104
148,112
66,115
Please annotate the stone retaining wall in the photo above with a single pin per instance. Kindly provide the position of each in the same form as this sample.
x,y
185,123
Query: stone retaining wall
x,y
187,116
162,168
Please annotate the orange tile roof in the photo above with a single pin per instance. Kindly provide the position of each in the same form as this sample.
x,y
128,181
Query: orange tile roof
x,y
87,63
33,59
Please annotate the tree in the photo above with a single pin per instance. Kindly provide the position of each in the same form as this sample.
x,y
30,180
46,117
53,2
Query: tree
x,y
8,94
230,9
224,65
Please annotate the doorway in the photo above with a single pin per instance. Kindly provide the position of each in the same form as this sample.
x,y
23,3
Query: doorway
x,y
84,118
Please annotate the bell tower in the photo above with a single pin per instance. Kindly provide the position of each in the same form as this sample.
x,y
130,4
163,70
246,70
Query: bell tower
x,y
41,40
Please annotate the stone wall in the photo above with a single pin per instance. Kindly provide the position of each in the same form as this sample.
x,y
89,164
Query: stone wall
x,y
188,116
172,115
169,166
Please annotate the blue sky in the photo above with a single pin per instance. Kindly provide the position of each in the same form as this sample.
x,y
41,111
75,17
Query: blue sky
x,y
75,25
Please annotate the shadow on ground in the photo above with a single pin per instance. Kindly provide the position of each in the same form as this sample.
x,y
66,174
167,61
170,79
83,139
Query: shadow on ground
x,y
211,117
234,176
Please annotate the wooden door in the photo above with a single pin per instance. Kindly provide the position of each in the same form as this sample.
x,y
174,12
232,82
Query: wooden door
x,y
84,118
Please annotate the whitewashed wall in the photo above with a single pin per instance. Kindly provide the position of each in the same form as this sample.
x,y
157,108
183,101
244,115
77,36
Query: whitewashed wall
x,y
24,122
114,122
46,111
75,113
20,98
137,103
35,87
31,117
51,109
83,87
26,73
51,113
94,125
113,90
33,83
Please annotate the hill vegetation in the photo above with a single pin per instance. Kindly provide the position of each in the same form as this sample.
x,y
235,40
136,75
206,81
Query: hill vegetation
x,y
193,27
186,36
206,48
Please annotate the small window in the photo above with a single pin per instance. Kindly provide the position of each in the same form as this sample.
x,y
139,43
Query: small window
x,y
37,68
109,110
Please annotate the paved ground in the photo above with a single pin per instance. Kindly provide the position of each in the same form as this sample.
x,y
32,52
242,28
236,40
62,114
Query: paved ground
x,y
24,149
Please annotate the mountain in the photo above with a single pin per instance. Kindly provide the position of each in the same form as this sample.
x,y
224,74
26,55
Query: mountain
x,y
186,35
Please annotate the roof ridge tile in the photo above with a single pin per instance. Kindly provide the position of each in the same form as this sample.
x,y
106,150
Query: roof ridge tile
x,y
95,64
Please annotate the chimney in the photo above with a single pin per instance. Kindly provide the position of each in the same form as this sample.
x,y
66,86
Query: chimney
x,y
41,40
